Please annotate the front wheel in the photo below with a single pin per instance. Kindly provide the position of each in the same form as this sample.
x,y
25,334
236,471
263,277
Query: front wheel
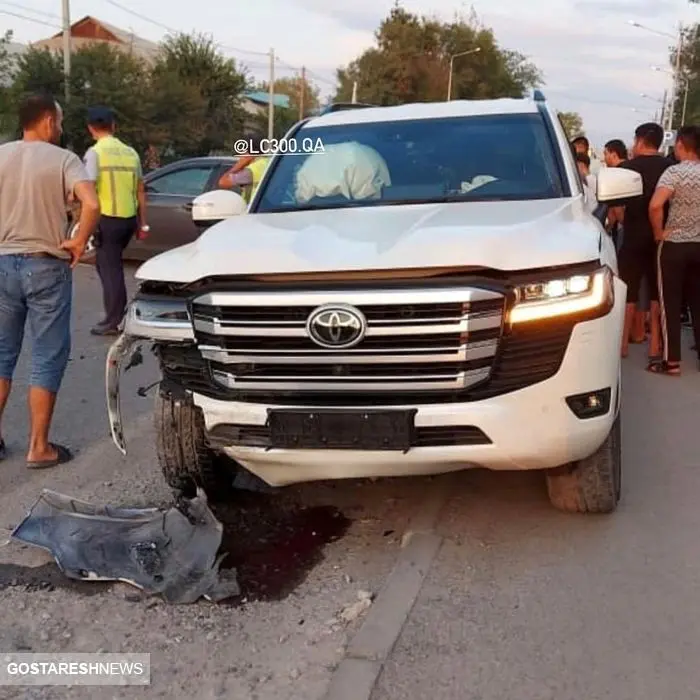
x,y
593,484
185,458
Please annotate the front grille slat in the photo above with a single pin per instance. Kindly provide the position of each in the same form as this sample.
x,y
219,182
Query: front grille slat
x,y
416,352
425,341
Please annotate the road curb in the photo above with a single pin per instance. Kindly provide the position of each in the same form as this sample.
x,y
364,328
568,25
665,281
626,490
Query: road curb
x,y
357,674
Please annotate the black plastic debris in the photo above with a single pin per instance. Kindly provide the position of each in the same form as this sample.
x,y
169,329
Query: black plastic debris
x,y
171,553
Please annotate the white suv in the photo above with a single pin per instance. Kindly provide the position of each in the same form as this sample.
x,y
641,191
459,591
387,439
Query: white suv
x,y
427,294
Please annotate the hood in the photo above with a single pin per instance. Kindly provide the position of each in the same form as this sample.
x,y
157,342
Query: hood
x,y
498,235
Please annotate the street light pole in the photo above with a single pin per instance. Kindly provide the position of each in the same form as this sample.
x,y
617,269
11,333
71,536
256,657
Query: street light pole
x,y
452,62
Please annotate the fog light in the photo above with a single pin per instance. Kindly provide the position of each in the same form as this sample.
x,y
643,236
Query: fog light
x,y
590,405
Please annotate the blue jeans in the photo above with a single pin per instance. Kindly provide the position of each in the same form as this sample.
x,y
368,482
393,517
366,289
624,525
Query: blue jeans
x,y
36,292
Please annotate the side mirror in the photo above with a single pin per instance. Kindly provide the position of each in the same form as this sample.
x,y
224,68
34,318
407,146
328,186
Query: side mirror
x,y
211,207
616,186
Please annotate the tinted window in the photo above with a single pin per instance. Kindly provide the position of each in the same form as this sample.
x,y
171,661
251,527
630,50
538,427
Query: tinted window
x,y
188,181
484,158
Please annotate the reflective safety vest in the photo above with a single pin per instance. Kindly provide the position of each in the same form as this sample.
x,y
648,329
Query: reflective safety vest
x,y
117,177
257,169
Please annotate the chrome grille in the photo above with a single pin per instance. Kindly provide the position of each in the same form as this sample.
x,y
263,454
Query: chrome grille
x,y
415,340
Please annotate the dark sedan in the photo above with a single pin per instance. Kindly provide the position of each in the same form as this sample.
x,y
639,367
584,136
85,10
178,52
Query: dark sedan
x,y
170,191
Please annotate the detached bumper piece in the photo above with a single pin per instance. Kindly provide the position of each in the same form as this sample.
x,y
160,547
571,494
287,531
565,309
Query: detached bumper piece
x,y
171,553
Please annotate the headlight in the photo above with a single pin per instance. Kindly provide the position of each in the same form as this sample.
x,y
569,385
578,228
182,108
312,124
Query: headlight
x,y
564,297
159,319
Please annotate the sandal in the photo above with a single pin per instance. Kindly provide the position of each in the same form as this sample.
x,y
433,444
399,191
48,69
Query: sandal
x,y
63,455
662,367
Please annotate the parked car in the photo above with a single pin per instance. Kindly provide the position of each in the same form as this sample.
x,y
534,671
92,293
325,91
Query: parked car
x,y
170,191
433,295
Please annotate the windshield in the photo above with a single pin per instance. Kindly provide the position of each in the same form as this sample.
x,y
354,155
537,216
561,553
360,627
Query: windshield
x,y
462,159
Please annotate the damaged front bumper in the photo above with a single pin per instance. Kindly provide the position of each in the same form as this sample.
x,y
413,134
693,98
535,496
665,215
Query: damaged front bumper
x,y
149,319
120,350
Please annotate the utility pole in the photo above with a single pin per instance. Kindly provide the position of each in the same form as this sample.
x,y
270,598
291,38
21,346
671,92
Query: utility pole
x,y
685,101
354,92
302,92
663,109
676,79
66,49
271,105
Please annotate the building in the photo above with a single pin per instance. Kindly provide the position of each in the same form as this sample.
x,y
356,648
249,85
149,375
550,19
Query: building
x,y
256,106
90,30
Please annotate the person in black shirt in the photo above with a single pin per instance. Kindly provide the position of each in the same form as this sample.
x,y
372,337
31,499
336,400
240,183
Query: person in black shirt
x,y
637,256
615,153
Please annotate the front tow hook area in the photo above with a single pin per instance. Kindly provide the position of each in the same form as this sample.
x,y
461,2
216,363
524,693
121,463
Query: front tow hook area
x,y
118,352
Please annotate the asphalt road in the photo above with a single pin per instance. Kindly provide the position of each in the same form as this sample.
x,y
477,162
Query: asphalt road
x,y
481,589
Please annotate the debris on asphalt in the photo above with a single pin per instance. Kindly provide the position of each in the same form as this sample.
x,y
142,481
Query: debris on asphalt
x,y
355,610
171,553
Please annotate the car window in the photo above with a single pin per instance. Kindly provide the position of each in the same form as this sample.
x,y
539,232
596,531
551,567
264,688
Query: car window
x,y
473,158
187,181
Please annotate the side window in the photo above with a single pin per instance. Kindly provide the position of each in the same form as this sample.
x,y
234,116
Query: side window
x,y
188,182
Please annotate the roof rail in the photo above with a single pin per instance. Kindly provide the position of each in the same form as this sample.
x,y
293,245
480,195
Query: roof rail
x,y
538,96
341,106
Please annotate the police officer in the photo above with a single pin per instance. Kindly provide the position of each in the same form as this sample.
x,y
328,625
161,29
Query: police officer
x,y
116,170
248,170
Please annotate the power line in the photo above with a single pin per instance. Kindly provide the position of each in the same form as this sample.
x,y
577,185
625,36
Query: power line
x,y
175,31
233,49
24,8
29,19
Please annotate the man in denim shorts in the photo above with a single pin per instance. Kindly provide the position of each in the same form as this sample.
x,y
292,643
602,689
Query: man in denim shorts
x,y
37,180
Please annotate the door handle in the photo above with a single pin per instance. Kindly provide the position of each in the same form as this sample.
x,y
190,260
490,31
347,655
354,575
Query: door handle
x,y
187,207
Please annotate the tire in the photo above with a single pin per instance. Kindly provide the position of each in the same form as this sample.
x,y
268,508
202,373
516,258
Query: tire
x,y
185,458
592,485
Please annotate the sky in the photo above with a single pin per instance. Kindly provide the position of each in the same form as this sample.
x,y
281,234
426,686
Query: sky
x,y
594,62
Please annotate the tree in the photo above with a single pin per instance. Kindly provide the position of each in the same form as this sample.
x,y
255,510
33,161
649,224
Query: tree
x,y
177,115
411,63
100,74
198,64
7,71
690,77
286,118
572,123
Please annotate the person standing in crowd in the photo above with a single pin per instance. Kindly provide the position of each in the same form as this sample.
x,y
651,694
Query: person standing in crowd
x,y
37,181
637,255
679,246
615,153
116,170
581,145
248,170
583,162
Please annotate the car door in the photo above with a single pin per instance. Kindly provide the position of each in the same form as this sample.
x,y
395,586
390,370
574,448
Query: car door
x,y
169,200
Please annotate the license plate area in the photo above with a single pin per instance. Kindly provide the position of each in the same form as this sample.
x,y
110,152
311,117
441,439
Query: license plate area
x,y
341,429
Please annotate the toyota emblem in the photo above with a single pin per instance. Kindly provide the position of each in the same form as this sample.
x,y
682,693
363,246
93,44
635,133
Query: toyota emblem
x,y
336,326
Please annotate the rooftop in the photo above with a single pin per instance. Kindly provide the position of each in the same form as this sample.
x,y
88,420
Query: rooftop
x,y
263,98
427,110
108,32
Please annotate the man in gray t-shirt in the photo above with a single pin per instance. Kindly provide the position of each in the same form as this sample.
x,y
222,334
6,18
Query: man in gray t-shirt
x,y
37,180
679,245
